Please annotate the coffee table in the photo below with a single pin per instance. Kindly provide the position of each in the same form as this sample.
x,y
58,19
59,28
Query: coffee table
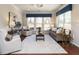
x,y
40,37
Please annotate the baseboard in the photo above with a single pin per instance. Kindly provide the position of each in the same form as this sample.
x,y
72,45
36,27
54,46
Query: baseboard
x,y
74,43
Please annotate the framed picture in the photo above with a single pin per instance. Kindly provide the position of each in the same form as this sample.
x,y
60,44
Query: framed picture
x,y
11,21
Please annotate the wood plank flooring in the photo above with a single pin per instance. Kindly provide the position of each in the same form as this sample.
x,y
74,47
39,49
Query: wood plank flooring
x,y
70,48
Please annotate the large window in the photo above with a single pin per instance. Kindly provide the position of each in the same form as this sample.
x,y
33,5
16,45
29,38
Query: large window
x,y
64,20
43,22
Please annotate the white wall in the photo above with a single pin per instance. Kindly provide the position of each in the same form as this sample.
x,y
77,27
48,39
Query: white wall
x,y
53,20
24,19
4,9
75,24
61,7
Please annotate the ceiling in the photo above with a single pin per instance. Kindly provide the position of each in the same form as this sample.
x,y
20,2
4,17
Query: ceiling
x,y
38,7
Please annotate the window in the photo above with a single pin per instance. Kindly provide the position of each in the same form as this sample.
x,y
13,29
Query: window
x,y
67,23
43,22
61,20
64,20
39,22
47,23
30,22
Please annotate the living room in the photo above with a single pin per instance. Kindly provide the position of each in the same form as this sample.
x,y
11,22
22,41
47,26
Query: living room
x,y
37,28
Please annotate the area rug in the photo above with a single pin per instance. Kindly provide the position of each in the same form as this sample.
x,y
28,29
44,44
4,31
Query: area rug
x,y
49,46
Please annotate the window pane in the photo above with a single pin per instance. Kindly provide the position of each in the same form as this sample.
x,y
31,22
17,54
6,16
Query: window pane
x,y
68,17
60,20
67,24
39,22
47,23
30,22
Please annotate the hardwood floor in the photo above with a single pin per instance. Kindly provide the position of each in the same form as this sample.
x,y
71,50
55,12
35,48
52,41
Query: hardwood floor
x,y
70,48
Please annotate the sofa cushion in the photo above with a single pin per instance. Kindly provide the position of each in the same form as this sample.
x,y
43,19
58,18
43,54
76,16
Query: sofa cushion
x,y
8,37
59,30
